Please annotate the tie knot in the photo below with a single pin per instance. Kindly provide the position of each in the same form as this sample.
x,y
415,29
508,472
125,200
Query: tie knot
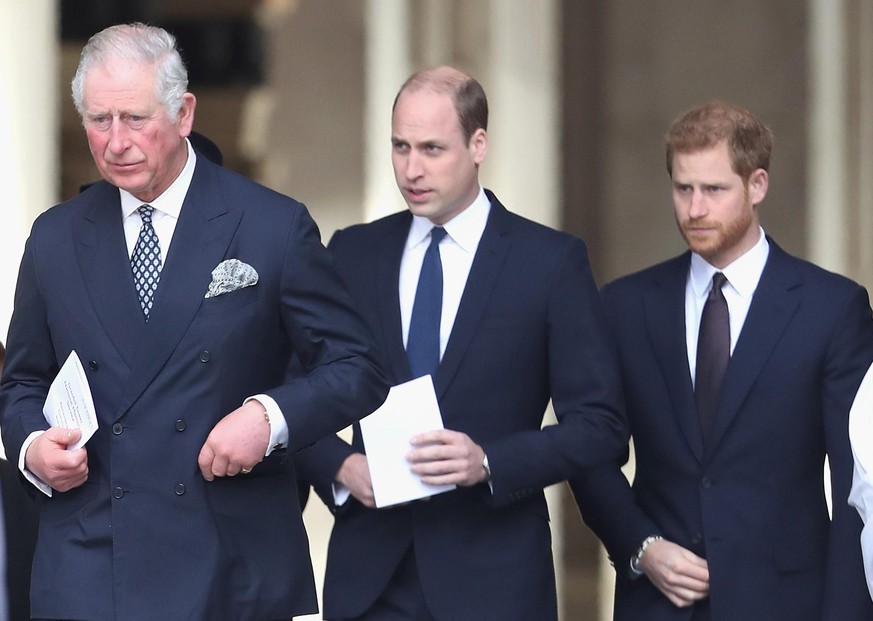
x,y
718,281
436,235
145,212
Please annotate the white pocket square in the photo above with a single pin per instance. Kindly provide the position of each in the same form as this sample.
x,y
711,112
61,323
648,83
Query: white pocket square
x,y
230,275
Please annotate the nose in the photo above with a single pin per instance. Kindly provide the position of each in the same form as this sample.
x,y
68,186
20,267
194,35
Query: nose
x,y
118,137
697,206
414,168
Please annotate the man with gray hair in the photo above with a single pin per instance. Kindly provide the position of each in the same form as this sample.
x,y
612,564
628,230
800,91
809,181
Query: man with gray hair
x,y
184,290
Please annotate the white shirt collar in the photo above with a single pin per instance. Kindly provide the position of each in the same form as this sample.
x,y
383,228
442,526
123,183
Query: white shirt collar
x,y
170,202
465,229
743,274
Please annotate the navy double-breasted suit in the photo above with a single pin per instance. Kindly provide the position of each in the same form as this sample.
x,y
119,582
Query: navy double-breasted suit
x,y
751,500
529,328
146,537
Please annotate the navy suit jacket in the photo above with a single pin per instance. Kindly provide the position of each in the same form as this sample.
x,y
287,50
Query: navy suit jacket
x,y
146,537
529,328
751,501
20,523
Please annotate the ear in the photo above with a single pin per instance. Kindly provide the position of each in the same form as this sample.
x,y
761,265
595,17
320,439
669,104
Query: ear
x,y
478,145
186,114
758,183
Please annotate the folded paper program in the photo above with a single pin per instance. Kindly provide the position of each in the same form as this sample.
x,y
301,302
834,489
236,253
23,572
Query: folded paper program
x,y
231,275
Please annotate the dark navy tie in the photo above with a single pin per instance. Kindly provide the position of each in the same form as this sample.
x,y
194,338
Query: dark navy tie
x,y
713,352
423,342
146,261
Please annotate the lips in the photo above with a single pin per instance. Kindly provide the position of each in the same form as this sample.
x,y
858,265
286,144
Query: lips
x,y
418,195
699,228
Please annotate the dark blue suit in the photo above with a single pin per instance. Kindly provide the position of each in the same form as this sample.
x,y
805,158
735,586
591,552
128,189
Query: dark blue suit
x,y
528,328
752,500
146,537
20,523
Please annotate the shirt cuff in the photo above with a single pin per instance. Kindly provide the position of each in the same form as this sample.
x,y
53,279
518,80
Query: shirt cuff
x,y
37,482
279,433
341,494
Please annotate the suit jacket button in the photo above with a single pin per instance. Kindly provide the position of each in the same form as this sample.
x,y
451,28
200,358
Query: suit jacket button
x,y
117,493
92,364
180,425
705,483
180,489
204,356
696,538
118,429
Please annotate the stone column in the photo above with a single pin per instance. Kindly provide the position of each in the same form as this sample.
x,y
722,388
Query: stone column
x,y
29,159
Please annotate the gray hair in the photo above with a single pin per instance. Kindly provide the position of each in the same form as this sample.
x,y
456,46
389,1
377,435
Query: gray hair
x,y
142,44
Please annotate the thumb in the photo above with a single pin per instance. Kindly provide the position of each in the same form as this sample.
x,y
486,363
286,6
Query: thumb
x,y
63,436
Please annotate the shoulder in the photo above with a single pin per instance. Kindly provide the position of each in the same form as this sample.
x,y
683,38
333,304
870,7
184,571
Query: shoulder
x,y
60,218
364,235
813,280
538,242
238,190
654,276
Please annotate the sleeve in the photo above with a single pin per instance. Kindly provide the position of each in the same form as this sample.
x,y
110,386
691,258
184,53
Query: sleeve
x,y
604,495
31,363
317,464
341,379
585,389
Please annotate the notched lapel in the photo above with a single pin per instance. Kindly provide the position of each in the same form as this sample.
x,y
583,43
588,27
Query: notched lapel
x,y
388,300
775,302
665,317
487,265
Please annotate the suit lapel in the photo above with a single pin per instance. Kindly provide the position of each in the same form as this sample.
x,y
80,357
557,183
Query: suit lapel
x,y
774,303
105,267
388,298
487,264
665,318
203,233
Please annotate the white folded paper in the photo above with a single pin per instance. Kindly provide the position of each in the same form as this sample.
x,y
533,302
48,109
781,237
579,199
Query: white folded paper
x,y
69,403
410,408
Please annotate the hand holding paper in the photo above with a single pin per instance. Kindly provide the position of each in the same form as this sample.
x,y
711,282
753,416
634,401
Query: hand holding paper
x,y
69,403
52,460
410,409
442,457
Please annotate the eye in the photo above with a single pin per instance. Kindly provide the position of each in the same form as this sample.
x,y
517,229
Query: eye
x,y
682,188
400,146
135,121
101,122
432,149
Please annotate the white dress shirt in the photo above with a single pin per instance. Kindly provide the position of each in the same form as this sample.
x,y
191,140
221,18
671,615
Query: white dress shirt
x,y
742,280
457,250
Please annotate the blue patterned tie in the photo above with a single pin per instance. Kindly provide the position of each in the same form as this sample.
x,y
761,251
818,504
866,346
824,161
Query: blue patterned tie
x,y
146,261
713,352
423,342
